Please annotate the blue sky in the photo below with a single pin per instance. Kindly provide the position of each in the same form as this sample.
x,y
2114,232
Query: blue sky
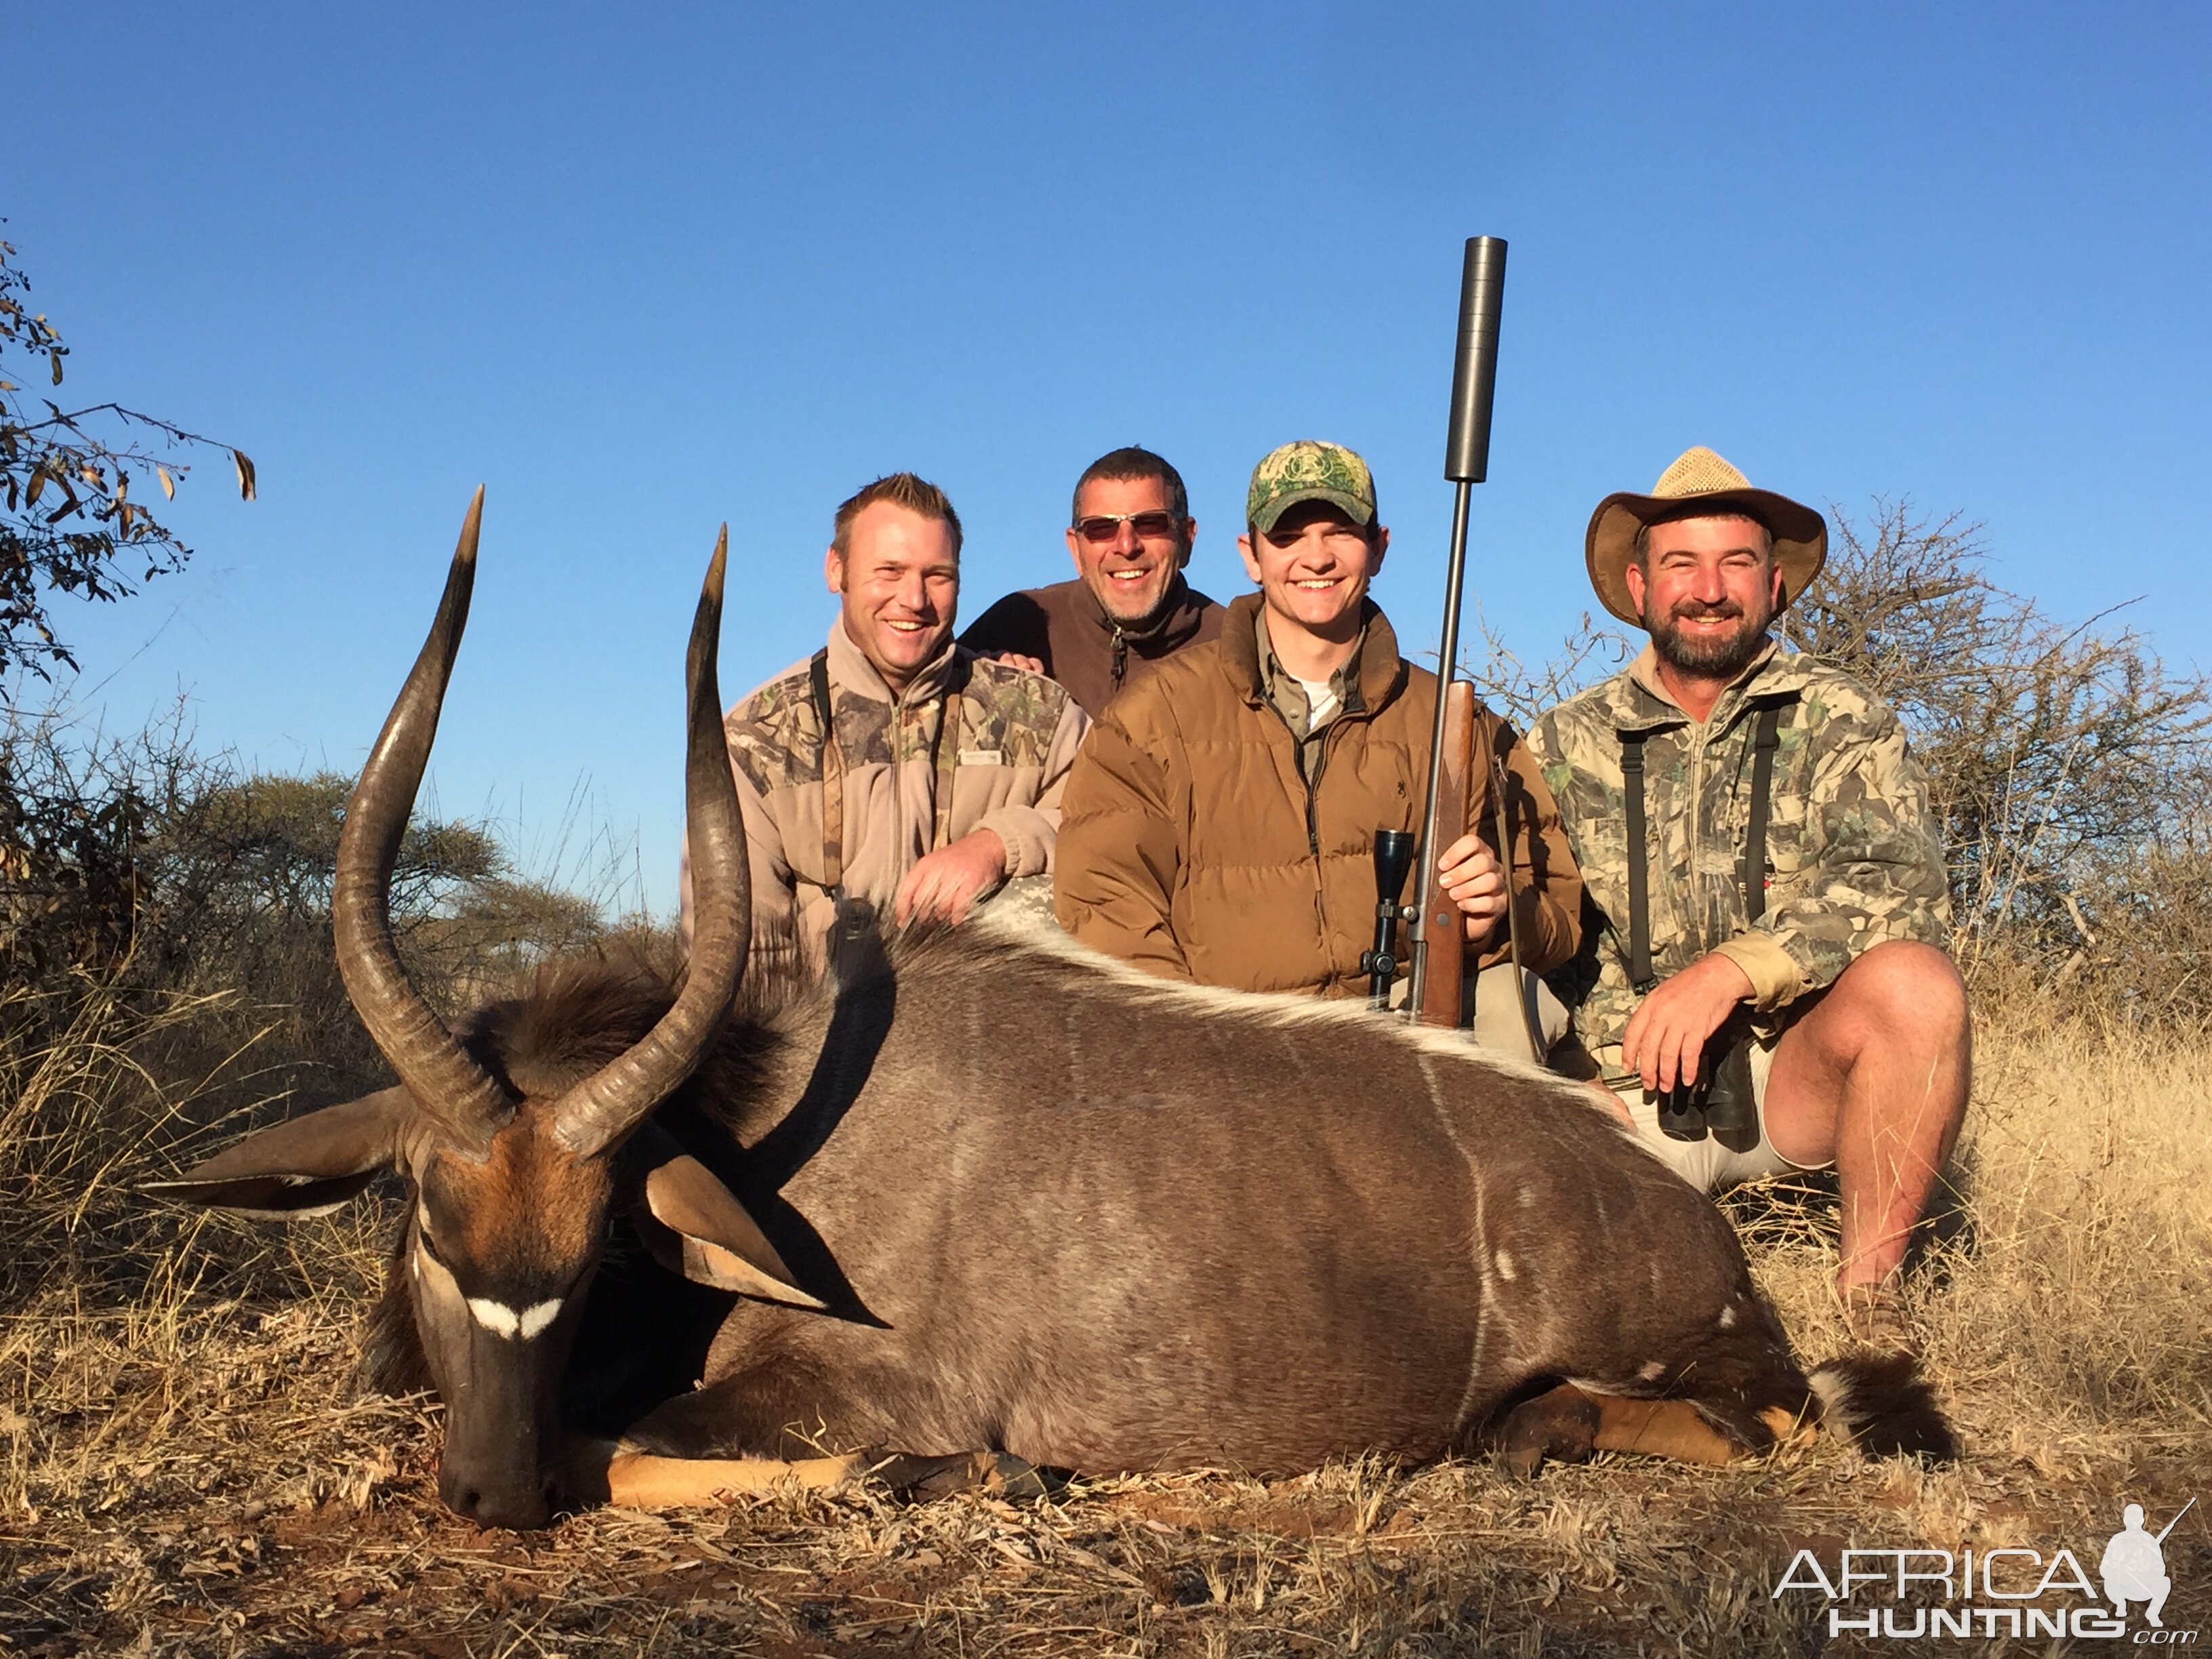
x,y
642,269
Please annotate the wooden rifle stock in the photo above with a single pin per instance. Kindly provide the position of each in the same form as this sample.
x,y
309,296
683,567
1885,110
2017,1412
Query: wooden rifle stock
x,y
1444,935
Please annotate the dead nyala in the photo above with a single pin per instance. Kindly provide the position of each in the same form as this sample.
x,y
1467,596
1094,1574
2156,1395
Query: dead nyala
x,y
979,1192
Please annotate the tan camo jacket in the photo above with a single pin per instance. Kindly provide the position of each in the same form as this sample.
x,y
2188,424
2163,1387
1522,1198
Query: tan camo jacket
x,y
1018,734
1851,858
1207,839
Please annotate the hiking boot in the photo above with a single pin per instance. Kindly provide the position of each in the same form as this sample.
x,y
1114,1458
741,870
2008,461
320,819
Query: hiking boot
x,y
1877,1318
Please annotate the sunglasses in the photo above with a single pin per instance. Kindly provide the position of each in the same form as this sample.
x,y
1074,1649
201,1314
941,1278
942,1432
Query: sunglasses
x,y
1100,528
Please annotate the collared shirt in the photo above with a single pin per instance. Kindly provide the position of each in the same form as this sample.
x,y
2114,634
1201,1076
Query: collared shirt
x,y
1286,694
1207,838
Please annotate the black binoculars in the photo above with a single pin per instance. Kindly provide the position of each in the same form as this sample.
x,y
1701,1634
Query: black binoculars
x,y
1720,1102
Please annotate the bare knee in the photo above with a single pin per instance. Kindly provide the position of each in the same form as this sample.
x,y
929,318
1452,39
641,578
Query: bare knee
x,y
1905,989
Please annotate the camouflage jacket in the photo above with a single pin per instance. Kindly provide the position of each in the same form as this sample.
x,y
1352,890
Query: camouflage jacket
x,y
1851,859
1018,734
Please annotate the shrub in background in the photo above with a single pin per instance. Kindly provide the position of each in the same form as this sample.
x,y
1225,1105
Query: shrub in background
x,y
164,940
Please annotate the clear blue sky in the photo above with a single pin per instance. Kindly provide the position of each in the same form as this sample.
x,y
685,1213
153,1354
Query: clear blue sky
x,y
640,270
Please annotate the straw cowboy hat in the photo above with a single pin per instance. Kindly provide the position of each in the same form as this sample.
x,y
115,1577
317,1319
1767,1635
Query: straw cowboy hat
x,y
1699,485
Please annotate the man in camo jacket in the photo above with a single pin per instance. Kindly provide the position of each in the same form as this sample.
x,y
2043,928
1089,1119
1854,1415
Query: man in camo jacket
x,y
943,778
1859,1042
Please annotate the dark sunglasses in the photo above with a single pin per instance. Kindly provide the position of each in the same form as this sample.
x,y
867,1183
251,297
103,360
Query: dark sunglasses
x,y
1104,527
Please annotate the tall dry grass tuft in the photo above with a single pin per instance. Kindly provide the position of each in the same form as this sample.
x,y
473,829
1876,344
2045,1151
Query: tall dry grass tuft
x,y
105,1085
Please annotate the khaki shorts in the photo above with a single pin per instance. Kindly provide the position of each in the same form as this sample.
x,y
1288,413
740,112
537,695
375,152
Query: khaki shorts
x,y
1706,1164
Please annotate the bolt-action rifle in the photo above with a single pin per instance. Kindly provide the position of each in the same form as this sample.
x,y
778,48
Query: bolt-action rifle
x,y
1437,994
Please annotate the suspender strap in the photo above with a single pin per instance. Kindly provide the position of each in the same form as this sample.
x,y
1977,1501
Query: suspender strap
x,y
833,777
1753,870
947,754
1639,875
944,757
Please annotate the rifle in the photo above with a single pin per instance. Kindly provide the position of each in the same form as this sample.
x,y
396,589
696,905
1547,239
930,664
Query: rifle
x,y
1437,992
1439,996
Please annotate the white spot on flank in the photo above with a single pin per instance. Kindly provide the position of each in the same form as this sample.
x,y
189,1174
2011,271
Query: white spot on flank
x,y
1528,1198
1727,1318
502,1321
1652,1371
1505,1267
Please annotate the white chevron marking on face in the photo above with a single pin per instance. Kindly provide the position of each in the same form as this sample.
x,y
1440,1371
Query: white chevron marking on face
x,y
503,1320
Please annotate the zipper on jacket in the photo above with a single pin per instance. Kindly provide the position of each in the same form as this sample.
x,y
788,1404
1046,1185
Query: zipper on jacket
x,y
1313,823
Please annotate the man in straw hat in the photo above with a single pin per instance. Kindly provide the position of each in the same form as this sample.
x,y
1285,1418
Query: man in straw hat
x,y
1219,822
1780,943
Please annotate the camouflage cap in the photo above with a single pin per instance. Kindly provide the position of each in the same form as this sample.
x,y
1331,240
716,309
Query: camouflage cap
x,y
1310,470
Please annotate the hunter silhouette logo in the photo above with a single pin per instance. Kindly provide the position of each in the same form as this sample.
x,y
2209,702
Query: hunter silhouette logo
x,y
2134,1565
1916,1594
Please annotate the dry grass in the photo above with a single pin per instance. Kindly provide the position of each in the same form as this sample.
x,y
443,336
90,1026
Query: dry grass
x,y
185,1467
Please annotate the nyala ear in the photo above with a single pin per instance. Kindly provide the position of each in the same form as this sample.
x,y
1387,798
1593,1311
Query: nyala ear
x,y
309,1166
706,1235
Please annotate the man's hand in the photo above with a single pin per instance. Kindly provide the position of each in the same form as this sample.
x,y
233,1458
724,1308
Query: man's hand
x,y
1668,1031
1473,881
1015,659
946,883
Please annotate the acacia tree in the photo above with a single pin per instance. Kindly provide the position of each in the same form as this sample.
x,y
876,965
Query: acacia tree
x,y
2058,754
69,522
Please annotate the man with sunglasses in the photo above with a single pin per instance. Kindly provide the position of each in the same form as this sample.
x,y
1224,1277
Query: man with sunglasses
x,y
1219,822
1128,608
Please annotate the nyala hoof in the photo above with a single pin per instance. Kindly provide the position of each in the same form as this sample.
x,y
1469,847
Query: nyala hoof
x,y
1560,1427
1000,1474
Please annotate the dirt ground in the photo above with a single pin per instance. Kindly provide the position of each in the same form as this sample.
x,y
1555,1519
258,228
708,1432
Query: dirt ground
x,y
191,1476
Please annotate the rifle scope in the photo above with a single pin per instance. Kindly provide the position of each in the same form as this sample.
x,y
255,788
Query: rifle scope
x,y
1393,856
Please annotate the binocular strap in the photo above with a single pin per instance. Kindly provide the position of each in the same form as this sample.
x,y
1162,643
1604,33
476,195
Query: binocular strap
x,y
1751,868
944,754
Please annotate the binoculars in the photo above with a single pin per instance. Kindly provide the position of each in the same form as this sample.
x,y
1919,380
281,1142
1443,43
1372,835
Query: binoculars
x,y
1720,1102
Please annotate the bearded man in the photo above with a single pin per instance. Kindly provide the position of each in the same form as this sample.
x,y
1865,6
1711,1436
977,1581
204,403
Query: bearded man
x,y
1765,987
